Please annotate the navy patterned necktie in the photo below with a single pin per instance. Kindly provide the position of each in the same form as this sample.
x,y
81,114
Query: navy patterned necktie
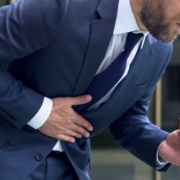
x,y
105,81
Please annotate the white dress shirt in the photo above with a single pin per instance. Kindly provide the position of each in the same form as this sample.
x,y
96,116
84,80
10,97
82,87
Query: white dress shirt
x,y
125,23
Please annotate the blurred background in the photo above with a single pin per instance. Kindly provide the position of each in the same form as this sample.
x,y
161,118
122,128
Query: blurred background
x,y
112,162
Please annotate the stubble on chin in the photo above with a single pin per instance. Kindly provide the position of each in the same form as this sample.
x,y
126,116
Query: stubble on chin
x,y
153,16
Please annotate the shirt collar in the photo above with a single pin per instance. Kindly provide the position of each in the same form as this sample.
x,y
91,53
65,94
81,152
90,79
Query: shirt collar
x,y
125,20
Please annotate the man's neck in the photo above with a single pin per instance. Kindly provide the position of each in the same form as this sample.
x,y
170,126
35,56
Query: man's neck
x,y
136,8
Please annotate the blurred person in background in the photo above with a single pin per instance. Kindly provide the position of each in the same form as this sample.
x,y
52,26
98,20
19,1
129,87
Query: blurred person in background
x,y
68,70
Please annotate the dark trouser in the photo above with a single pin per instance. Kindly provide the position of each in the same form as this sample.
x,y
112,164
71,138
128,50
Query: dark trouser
x,y
54,167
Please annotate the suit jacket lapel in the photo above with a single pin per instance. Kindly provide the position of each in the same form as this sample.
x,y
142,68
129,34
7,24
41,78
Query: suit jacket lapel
x,y
104,115
137,68
101,33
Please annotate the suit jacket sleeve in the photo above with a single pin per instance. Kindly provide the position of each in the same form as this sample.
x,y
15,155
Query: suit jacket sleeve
x,y
136,133
26,26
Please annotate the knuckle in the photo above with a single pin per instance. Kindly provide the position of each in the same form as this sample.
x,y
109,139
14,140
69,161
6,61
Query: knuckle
x,y
82,99
85,124
81,122
73,134
68,139
56,135
83,131
70,120
62,128
68,132
60,137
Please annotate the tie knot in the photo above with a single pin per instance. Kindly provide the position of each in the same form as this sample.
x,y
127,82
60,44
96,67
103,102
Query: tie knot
x,y
132,40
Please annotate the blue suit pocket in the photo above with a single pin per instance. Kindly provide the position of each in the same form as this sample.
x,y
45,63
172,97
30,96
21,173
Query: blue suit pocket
x,y
4,135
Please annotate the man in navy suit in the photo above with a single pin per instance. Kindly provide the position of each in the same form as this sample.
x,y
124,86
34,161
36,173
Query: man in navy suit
x,y
51,53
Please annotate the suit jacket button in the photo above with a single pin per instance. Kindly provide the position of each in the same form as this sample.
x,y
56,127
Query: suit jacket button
x,y
39,157
9,117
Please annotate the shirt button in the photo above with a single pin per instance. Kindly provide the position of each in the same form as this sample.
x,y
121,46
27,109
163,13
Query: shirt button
x,y
39,157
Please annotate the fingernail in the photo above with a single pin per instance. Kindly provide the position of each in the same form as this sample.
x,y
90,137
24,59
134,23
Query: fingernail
x,y
88,97
73,140
91,128
87,135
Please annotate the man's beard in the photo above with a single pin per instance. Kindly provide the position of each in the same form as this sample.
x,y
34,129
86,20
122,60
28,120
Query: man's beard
x,y
153,16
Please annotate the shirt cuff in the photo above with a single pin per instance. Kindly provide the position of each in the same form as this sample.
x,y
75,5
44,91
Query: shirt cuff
x,y
160,163
42,115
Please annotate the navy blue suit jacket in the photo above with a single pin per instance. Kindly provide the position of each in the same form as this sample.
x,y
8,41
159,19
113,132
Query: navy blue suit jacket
x,y
53,49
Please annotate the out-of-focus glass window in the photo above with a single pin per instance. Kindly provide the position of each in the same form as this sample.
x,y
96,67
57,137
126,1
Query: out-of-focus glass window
x,y
3,2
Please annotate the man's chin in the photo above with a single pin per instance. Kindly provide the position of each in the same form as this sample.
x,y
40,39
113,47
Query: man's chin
x,y
167,40
172,40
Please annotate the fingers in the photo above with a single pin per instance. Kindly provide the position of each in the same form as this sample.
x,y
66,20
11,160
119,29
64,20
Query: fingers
x,y
64,123
178,132
77,124
63,137
83,122
75,128
78,100
72,133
